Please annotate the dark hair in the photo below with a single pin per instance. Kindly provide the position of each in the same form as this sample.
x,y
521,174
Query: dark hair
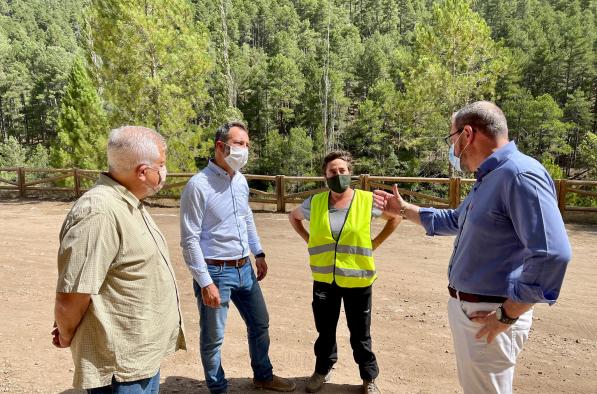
x,y
337,154
483,116
223,131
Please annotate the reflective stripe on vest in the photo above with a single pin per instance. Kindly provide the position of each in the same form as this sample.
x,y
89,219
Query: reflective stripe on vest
x,y
348,262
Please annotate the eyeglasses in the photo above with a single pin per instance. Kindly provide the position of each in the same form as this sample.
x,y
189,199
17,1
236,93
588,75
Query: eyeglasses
x,y
447,139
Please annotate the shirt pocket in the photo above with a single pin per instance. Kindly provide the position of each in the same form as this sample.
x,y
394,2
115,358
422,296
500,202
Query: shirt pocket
x,y
138,245
242,204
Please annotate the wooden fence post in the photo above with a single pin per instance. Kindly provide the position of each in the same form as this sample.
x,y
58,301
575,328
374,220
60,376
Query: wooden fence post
x,y
77,183
454,192
280,189
562,189
365,182
21,182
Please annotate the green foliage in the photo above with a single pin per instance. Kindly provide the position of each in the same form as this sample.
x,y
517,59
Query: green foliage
x,y
38,40
300,153
588,149
82,125
554,170
537,125
152,61
379,78
14,154
578,114
286,154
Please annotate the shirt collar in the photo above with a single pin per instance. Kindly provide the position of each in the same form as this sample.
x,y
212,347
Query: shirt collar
x,y
495,159
217,169
106,180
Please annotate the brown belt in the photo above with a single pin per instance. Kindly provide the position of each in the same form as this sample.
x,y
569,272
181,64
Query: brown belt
x,y
474,297
230,263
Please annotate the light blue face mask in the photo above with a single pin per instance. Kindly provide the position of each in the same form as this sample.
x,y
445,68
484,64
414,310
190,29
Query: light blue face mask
x,y
454,160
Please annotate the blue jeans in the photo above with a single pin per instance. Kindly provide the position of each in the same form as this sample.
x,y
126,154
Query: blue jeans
x,y
143,386
240,286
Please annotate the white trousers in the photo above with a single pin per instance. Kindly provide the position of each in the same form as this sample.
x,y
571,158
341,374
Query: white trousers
x,y
482,367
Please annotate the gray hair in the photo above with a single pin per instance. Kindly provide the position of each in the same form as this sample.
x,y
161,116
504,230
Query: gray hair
x,y
484,116
222,133
130,146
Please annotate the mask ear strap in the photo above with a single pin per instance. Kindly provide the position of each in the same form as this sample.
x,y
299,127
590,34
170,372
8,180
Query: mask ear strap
x,y
226,146
142,171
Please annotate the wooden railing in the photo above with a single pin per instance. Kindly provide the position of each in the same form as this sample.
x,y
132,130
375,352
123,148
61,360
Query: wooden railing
x,y
280,189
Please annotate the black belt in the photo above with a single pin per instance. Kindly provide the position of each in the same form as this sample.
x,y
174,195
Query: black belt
x,y
230,263
474,297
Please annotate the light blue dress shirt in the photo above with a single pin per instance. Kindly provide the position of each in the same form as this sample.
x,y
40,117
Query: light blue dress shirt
x,y
216,221
510,237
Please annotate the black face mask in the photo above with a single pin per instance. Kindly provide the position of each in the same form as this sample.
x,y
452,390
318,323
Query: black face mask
x,y
338,183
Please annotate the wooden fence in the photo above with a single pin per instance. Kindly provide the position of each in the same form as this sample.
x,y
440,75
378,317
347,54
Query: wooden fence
x,y
280,189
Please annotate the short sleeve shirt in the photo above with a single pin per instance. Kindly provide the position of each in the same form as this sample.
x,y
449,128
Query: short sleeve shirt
x,y
111,248
337,215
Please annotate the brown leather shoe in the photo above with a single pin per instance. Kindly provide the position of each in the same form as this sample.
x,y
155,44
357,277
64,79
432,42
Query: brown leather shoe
x,y
276,384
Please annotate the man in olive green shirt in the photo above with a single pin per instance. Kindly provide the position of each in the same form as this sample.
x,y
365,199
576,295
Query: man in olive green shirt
x,y
117,304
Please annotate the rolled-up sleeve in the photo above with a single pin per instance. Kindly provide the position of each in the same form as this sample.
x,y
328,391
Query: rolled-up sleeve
x,y
191,218
439,221
540,228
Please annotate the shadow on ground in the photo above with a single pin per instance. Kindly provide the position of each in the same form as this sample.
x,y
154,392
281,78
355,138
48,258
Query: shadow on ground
x,y
181,385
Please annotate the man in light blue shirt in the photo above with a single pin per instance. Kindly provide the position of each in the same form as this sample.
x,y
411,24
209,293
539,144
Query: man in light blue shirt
x,y
511,248
217,235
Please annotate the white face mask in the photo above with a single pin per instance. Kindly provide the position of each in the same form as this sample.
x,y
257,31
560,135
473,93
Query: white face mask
x,y
163,173
237,158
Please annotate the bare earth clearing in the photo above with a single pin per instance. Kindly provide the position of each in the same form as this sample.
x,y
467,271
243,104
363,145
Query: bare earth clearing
x,y
410,331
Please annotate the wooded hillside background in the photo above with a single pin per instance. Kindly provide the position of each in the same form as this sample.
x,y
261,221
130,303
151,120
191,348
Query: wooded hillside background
x,y
379,78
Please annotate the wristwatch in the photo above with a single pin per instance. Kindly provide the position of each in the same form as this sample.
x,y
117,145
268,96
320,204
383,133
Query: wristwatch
x,y
502,317
259,255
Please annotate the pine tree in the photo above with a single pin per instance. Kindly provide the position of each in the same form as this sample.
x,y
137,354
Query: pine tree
x,y
152,61
82,125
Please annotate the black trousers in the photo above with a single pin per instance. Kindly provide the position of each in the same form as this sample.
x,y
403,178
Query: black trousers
x,y
327,299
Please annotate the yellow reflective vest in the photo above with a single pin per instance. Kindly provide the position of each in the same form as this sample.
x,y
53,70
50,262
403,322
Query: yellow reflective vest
x,y
349,260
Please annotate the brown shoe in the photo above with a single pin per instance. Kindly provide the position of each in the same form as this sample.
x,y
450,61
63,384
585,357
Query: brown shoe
x,y
369,387
276,384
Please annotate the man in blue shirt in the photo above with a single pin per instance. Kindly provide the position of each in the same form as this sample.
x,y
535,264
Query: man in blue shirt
x,y
217,235
511,248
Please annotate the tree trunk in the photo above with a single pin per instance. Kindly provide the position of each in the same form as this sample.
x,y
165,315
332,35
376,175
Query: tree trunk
x,y
3,130
25,118
326,86
575,150
232,97
595,107
155,92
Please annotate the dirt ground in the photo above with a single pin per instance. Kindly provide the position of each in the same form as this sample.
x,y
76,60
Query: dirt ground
x,y
410,330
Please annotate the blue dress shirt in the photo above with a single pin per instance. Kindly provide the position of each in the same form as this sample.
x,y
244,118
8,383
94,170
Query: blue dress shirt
x,y
510,237
216,221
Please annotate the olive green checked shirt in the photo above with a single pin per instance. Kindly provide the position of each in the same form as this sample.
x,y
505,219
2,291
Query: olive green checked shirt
x,y
112,249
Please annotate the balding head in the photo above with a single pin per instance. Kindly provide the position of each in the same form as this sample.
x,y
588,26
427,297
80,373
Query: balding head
x,y
131,146
483,116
